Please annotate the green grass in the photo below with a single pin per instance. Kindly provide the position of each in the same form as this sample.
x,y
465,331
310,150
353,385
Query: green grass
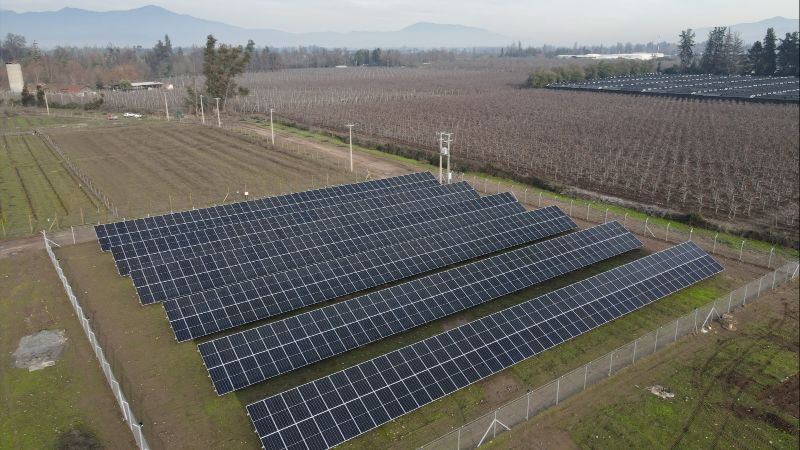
x,y
35,407
17,123
732,374
36,190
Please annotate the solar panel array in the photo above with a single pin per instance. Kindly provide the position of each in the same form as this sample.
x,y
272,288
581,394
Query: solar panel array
x,y
206,272
248,357
236,304
739,87
338,407
417,196
118,233
218,268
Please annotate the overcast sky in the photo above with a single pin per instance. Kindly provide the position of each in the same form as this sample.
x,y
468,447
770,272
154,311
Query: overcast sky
x,y
533,21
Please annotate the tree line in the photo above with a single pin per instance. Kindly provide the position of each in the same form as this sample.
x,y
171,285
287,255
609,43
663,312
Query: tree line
x,y
724,53
543,76
101,67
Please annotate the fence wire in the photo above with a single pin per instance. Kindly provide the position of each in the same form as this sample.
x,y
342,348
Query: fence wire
x,y
649,227
488,426
127,414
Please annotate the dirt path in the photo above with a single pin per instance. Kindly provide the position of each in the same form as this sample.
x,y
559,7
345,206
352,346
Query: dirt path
x,y
377,167
84,233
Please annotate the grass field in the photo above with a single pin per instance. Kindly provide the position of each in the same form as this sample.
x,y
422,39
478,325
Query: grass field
x,y
37,407
733,389
149,167
171,391
14,123
36,190
156,167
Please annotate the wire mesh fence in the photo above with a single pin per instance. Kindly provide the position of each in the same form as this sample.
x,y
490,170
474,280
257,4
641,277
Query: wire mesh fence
x,y
485,428
728,246
116,387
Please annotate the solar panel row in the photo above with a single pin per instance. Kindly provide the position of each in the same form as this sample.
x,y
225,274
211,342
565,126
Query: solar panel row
x,y
170,248
133,230
248,357
338,407
236,304
207,272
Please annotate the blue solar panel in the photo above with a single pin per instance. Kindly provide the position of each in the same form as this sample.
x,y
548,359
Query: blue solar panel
x,y
136,230
248,357
184,243
237,304
338,407
188,276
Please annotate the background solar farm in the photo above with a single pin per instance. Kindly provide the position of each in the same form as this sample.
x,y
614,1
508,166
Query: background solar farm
x,y
732,87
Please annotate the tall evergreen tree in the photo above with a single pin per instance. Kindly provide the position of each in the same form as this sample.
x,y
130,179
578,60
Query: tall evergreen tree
x,y
686,48
755,58
160,58
733,53
222,65
788,59
713,59
768,57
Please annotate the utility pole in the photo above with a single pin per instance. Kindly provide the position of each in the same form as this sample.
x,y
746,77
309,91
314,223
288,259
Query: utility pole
x,y
202,113
166,106
440,156
219,122
350,127
445,141
46,105
271,126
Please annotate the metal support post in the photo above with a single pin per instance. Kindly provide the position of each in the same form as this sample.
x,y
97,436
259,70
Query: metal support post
x,y
558,388
655,344
585,375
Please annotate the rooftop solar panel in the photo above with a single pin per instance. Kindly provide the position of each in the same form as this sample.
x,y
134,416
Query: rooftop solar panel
x,y
129,256
248,357
338,407
188,276
127,231
236,304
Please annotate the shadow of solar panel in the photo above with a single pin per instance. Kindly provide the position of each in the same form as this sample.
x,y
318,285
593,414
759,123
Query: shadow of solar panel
x,y
345,212
338,407
248,357
199,274
135,230
237,304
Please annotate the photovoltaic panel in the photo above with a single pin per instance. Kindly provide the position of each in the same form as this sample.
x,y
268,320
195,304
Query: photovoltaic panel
x,y
248,357
232,266
338,407
390,203
135,230
237,304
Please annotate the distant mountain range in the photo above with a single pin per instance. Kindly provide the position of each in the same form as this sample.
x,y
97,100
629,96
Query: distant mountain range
x,y
144,26
755,31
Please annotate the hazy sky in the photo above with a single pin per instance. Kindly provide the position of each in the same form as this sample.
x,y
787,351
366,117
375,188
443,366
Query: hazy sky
x,y
533,21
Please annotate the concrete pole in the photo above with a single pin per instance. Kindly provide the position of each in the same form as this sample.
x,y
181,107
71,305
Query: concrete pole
x,y
350,131
219,122
202,112
166,106
271,126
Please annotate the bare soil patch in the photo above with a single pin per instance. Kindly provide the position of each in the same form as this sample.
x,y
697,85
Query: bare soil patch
x,y
39,350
